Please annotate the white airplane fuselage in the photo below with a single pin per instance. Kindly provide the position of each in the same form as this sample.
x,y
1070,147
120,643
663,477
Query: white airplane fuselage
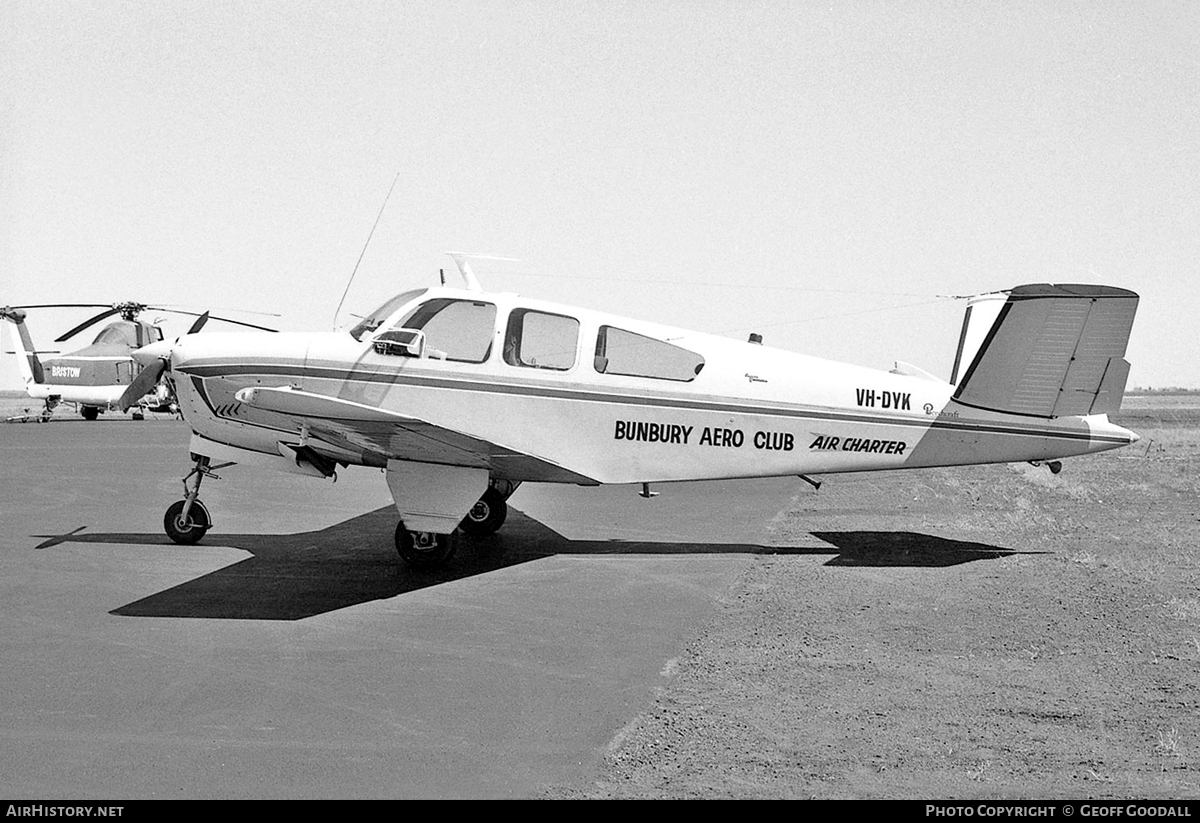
x,y
750,411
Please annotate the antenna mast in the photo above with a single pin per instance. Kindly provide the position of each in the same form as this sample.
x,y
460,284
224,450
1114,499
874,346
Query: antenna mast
x,y
371,234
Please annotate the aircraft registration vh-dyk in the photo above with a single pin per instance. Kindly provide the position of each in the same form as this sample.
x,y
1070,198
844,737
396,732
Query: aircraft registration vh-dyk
x,y
99,377
460,395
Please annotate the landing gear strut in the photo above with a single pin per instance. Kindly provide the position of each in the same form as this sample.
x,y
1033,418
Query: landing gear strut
x,y
187,520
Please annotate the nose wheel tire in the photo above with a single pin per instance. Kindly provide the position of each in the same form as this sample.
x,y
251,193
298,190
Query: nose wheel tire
x,y
190,530
486,516
424,550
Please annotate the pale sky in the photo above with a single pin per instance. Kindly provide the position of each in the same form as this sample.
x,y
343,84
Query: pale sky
x,y
822,173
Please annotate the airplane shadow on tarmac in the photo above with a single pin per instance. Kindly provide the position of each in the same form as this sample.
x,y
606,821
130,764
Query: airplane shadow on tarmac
x,y
293,576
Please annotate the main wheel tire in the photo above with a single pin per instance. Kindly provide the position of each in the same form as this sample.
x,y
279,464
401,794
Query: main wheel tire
x,y
89,412
190,531
486,516
424,550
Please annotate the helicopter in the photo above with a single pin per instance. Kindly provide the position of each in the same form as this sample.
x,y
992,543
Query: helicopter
x,y
97,377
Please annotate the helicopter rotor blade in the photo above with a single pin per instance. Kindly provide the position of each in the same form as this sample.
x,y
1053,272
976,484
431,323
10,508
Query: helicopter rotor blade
x,y
131,310
92,320
181,308
211,316
66,306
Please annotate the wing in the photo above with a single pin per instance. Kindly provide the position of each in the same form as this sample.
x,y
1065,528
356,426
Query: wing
x,y
358,427
1053,351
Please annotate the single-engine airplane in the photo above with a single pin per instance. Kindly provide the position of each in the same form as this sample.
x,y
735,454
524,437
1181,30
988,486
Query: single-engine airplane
x,y
96,378
460,395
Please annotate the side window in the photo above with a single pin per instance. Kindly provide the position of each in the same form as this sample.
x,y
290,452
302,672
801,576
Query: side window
x,y
539,340
623,352
454,329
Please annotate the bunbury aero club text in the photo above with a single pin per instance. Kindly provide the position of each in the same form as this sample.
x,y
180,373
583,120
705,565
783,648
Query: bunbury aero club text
x,y
644,432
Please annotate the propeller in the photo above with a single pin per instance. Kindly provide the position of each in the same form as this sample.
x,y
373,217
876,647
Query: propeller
x,y
199,324
143,384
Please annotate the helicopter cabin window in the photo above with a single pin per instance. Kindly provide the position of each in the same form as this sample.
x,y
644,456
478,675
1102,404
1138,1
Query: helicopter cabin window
x,y
459,330
626,353
539,340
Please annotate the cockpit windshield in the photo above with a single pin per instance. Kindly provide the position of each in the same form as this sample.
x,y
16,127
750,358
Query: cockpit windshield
x,y
123,333
375,319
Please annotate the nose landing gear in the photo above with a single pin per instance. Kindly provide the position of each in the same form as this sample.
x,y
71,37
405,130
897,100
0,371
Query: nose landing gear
x,y
187,520
186,527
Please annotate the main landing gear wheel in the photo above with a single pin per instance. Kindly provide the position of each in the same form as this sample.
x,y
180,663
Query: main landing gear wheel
x,y
89,412
424,550
190,529
486,516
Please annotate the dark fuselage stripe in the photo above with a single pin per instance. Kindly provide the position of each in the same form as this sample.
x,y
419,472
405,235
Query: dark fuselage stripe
x,y
686,404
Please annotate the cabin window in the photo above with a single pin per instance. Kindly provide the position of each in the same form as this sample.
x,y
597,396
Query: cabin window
x,y
454,329
623,352
539,340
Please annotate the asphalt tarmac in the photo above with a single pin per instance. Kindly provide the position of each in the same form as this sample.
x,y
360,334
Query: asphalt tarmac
x,y
290,654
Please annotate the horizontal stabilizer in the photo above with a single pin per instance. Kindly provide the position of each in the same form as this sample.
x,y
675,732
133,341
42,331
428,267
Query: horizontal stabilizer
x,y
1049,351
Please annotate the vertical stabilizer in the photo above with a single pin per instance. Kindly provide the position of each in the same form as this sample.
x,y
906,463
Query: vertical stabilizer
x,y
27,359
982,311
